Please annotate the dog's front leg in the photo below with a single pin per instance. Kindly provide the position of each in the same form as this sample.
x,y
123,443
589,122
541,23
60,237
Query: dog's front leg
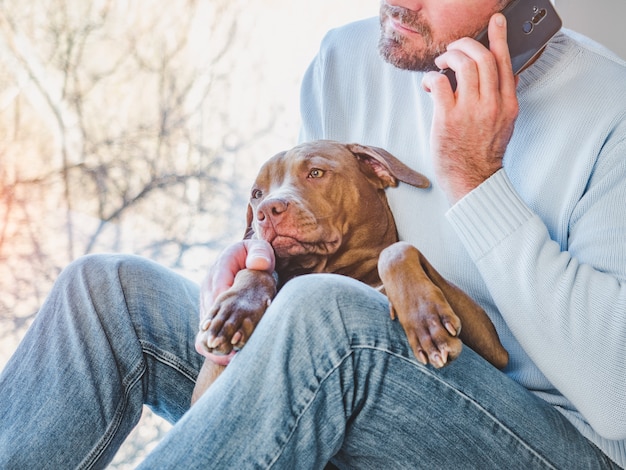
x,y
430,324
232,319
431,310
209,372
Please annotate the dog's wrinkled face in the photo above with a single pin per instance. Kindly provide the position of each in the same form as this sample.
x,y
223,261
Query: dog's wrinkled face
x,y
305,202
296,201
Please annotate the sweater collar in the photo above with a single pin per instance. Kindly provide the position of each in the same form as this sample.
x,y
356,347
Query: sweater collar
x,y
556,56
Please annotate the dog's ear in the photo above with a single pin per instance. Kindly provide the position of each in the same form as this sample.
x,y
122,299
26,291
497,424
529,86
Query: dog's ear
x,y
249,219
388,168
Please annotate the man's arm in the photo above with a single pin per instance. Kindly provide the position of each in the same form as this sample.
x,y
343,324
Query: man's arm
x,y
472,127
566,308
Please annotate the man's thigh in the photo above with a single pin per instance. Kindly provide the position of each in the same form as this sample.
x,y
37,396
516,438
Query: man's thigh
x,y
467,415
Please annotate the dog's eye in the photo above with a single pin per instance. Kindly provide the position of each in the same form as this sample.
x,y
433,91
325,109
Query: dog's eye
x,y
257,193
316,173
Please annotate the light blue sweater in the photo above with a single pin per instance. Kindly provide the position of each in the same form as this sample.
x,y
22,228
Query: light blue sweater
x,y
541,245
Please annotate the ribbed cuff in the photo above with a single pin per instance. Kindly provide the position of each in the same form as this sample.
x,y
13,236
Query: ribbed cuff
x,y
487,215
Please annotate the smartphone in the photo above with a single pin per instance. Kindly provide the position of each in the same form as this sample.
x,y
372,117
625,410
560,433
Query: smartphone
x,y
530,25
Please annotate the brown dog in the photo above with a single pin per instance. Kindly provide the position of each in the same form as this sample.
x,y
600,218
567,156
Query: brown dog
x,y
309,204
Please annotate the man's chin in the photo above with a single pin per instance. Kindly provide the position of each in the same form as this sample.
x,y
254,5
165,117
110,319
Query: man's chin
x,y
394,52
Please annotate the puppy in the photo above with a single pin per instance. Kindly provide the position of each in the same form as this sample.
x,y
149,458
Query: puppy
x,y
322,207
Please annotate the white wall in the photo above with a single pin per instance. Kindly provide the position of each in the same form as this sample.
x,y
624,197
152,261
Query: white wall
x,y
602,20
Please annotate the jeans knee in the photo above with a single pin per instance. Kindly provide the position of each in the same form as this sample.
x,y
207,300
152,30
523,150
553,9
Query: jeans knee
x,y
319,291
314,286
96,286
88,266
100,271
328,299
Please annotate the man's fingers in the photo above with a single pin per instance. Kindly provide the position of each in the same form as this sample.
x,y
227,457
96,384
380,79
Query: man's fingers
x,y
222,274
260,255
500,49
474,67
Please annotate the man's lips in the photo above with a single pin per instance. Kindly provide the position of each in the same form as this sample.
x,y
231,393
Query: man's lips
x,y
398,26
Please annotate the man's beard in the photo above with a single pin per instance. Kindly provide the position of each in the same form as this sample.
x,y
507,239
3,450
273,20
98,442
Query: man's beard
x,y
396,49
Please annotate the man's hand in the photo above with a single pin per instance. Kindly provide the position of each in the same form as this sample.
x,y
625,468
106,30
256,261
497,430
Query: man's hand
x,y
246,254
472,126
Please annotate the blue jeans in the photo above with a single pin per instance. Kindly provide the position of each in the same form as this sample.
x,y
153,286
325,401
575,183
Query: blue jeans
x,y
327,375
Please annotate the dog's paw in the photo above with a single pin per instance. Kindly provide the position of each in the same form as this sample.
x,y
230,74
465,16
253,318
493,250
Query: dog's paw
x,y
430,323
236,313
235,316
432,330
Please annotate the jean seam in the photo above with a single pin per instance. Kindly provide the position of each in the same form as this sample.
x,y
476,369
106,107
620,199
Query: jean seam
x,y
169,359
113,427
308,405
128,384
469,399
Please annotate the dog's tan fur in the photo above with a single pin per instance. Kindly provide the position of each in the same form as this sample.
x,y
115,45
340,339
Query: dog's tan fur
x,y
322,207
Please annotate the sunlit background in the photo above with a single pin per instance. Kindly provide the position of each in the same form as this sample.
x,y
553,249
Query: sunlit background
x,y
138,126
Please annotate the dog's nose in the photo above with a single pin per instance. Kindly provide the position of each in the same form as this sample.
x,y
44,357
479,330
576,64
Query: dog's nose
x,y
272,208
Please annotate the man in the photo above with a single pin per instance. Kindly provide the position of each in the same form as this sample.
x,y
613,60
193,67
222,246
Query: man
x,y
526,215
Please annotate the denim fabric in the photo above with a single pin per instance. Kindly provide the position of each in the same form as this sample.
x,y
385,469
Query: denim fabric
x,y
329,374
114,333
326,375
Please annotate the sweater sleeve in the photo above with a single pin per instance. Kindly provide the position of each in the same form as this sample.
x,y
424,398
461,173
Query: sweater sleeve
x,y
567,308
